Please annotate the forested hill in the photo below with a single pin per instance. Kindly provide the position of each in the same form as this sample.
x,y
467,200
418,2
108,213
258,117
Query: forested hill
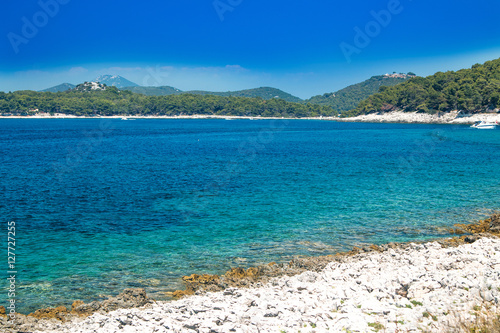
x,y
349,97
475,89
262,92
60,87
111,101
154,91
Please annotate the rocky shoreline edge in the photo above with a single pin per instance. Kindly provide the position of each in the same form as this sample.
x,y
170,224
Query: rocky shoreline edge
x,y
253,278
453,117
131,117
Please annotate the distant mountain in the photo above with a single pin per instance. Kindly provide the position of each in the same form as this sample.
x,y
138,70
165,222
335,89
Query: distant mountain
x,y
115,80
154,91
262,92
61,87
348,98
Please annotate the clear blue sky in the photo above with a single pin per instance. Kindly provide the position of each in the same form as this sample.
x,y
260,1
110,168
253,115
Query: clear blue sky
x,y
190,44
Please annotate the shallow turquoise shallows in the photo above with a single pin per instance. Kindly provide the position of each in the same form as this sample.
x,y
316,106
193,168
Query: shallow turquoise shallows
x,y
104,205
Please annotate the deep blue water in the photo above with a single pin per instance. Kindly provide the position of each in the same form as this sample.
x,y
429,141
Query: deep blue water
x,y
102,205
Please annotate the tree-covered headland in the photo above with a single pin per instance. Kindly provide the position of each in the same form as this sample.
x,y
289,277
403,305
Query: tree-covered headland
x,y
476,89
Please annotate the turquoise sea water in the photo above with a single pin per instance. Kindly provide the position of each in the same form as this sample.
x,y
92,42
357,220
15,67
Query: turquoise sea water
x,y
102,205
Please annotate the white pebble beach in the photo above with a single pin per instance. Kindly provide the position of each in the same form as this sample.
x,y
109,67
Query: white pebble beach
x,y
421,287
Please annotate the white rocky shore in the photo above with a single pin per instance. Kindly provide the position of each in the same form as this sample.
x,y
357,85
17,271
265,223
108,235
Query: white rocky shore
x,y
454,117
420,287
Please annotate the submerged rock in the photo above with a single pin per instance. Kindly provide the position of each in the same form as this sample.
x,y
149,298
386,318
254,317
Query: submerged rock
x,y
490,225
495,224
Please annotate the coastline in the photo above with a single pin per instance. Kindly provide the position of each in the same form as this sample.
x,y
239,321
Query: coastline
x,y
129,117
452,118
211,296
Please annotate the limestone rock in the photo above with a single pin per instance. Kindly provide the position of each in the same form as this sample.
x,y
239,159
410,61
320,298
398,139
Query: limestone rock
x,y
129,298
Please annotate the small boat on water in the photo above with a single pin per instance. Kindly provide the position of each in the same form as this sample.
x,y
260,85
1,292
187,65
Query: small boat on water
x,y
484,125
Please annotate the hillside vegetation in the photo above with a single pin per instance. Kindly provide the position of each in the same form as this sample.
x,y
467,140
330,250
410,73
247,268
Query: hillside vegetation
x,y
476,89
88,100
154,91
349,97
262,92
